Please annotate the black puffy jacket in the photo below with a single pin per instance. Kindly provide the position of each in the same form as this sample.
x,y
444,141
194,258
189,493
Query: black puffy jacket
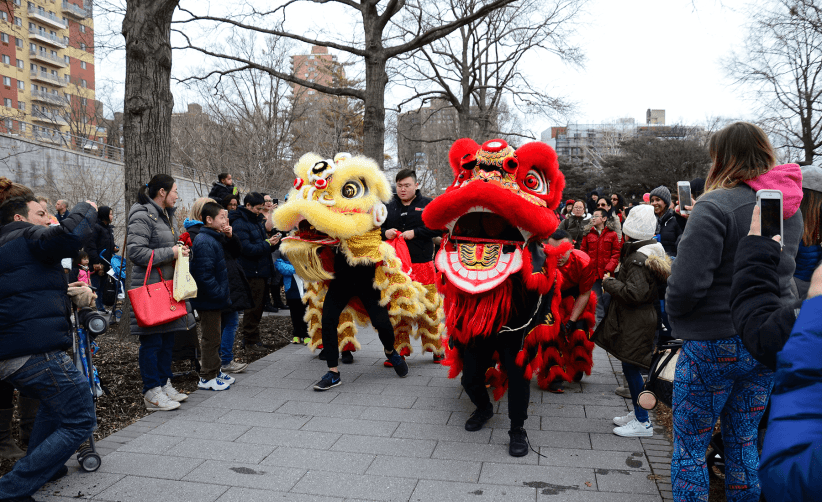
x,y
209,271
101,244
34,303
238,285
402,218
669,232
256,252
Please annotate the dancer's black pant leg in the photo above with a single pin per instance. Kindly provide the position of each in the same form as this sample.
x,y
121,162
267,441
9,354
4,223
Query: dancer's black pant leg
x,y
380,319
336,299
476,359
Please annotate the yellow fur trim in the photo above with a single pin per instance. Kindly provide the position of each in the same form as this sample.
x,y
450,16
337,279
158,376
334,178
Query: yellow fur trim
x,y
305,258
363,249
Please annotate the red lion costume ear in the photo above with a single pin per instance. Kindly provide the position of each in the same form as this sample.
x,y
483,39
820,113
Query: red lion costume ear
x,y
541,157
459,149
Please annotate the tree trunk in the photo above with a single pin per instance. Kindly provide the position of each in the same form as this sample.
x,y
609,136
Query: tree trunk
x,y
147,102
376,79
148,99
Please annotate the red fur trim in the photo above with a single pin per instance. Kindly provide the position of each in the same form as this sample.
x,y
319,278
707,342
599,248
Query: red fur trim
x,y
405,351
468,316
350,346
458,150
520,359
424,273
527,372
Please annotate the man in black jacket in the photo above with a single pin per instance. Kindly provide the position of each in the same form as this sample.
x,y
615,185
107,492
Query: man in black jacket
x,y
405,218
35,332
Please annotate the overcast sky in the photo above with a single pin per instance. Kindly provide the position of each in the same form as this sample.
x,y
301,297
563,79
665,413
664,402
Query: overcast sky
x,y
661,54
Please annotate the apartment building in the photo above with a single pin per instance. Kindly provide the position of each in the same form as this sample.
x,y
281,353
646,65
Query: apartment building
x,y
47,66
319,66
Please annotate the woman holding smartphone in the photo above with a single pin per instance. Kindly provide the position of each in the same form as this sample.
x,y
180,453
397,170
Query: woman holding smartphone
x,y
716,377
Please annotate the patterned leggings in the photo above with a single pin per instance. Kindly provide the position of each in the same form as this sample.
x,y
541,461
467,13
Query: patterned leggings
x,y
718,379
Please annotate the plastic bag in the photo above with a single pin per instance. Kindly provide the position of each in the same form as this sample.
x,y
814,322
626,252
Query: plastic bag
x,y
184,286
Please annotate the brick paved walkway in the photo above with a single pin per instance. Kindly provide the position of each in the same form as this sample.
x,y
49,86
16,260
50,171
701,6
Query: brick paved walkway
x,y
376,437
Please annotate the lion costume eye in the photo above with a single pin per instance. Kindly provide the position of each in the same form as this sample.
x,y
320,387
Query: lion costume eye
x,y
535,182
352,189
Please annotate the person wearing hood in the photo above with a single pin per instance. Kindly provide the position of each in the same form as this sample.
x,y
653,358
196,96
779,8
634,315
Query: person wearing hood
x,y
809,255
627,331
100,249
223,188
591,201
716,376
575,223
151,233
602,243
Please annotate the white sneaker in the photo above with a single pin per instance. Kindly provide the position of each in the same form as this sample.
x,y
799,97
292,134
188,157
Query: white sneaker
x,y
635,429
213,384
156,399
234,367
226,378
173,393
620,421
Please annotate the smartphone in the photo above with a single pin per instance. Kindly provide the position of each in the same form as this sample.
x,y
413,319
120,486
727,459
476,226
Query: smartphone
x,y
770,212
275,201
684,189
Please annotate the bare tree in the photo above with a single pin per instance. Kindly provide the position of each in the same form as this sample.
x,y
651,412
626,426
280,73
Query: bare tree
x,y
479,66
781,67
377,44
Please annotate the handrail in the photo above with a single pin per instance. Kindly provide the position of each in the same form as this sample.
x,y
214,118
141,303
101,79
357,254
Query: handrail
x,y
46,55
49,15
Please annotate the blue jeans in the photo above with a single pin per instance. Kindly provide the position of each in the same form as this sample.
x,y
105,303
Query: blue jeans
x,y
64,421
96,281
230,321
155,359
635,385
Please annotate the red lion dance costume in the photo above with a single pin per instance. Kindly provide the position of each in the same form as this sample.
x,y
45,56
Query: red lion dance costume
x,y
497,279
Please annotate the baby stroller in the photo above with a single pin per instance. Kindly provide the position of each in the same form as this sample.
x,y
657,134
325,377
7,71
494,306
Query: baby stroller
x,y
112,291
88,324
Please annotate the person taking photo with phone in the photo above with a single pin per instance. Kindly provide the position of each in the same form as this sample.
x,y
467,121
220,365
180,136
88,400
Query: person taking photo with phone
x,y
716,376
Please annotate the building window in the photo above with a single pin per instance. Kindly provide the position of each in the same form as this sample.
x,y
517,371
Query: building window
x,y
67,59
83,102
65,21
33,47
21,105
83,65
7,81
33,68
21,85
83,83
20,42
82,46
4,37
82,28
32,26
6,59
4,16
23,126
7,102
21,64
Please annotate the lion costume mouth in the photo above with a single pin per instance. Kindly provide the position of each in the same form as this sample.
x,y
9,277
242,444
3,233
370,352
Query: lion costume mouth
x,y
306,232
481,250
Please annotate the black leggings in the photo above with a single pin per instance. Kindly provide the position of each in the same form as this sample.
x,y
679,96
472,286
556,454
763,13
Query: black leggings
x,y
477,358
339,294
6,395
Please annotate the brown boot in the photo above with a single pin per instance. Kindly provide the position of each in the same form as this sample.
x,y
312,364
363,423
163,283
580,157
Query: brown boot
x,y
27,409
8,448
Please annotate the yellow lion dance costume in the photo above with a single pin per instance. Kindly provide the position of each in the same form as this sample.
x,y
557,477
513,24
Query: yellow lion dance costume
x,y
337,206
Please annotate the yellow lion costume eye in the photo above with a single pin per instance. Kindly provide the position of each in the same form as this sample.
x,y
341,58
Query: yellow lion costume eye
x,y
352,189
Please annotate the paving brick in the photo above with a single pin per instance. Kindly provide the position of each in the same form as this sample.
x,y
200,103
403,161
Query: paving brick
x,y
87,484
320,409
256,402
588,496
236,494
441,433
190,429
393,379
220,450
356,486
614,443
583,398
138,489
421,391
150,443
658,458
427,490
361,388
552,439
288,437
393,401
557,410
266,477
406,415
262,419
385,446
444,382
621,480
561,424
152,466
477,452
557,479
606,412
426,468
594,459
264,380
498,421
201,414
321,460
351,426
442,403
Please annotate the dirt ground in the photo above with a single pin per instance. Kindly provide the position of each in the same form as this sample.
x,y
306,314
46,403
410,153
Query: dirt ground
x,y
120,374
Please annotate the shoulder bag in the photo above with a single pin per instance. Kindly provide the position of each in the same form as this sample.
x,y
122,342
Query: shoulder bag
x,y
154,304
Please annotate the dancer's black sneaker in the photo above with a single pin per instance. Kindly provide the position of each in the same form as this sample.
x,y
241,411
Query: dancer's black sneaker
x,y
518,446
478,418
347,357
399,364
328,381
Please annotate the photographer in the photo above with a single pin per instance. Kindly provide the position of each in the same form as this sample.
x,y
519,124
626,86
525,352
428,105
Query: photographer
x,y
34,301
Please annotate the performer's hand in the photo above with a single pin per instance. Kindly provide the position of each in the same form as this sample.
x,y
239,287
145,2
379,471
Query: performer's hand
x,y
572,326
408,235
390,233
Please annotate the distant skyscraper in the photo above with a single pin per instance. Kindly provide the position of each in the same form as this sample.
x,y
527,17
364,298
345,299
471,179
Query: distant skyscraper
x,y
655,117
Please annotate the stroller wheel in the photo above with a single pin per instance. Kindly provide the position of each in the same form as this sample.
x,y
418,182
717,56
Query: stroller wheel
x,y
89,462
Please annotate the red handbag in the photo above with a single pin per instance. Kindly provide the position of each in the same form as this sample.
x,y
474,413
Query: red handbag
x,y
154,304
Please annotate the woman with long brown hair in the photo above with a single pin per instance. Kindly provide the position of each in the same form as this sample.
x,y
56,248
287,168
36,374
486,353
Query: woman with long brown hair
x,y
810,249
716,376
